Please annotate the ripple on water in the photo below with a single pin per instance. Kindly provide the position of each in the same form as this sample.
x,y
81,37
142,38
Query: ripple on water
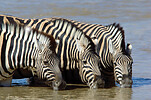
x,y
138,82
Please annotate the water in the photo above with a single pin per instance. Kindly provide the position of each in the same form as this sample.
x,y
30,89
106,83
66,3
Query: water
x,y
133,15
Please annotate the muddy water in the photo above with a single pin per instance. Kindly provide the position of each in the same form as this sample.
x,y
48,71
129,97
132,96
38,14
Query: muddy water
x,y
134,16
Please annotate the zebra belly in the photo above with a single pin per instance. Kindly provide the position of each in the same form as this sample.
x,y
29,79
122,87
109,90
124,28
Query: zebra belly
x,y
22,73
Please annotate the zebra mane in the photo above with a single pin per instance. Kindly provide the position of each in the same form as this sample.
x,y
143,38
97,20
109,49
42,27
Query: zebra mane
x,y
52,44
117,36
78,30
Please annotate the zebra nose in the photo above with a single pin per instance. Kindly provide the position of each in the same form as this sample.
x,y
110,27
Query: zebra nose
x,y
126,81
59,85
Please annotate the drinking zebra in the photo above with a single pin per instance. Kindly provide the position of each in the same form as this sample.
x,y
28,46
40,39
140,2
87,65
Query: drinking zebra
x,y
77,54
79,60
26,48
108,36
116,60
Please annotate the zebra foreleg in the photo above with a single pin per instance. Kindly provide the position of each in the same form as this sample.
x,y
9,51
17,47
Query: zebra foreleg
x,y
6,83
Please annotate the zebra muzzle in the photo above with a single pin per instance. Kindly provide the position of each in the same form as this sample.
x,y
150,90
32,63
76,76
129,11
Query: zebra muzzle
x,y
59,85
98,82
126,82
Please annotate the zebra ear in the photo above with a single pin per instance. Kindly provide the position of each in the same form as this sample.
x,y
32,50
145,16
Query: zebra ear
x,y
112,49
94,40
39,45
57,41
80,46
129,49
37,42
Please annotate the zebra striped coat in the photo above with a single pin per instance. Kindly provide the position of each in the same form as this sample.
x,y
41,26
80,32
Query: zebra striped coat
x,y
116,60
79,61
23,47
110,48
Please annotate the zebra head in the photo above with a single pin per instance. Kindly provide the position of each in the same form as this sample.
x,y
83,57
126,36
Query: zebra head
x,y
90,62
122,63
47,62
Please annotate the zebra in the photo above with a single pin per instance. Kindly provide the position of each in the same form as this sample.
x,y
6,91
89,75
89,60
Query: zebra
x,y
113,33
26,48
121,56
116,60
77,54
79,61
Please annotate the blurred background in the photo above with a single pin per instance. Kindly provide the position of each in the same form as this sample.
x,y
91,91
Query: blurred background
x,y
133,15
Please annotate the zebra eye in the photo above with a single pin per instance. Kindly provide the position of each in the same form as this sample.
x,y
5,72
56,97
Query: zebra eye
x,y
85,62
45,62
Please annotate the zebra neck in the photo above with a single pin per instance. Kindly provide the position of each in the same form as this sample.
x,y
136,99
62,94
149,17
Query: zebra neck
x,y
67,50
117,36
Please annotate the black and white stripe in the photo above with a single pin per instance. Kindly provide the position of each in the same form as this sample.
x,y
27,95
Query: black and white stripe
x,y
104,34
111,35
26,48
122,60
75,49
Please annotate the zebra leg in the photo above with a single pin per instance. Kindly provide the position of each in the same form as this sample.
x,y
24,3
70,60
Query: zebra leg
x,y
93,81
6,83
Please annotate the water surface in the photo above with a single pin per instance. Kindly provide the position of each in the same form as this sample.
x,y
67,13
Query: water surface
x,y
134,16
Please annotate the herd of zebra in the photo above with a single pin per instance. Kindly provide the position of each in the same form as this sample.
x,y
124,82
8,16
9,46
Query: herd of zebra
x,y
60,51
